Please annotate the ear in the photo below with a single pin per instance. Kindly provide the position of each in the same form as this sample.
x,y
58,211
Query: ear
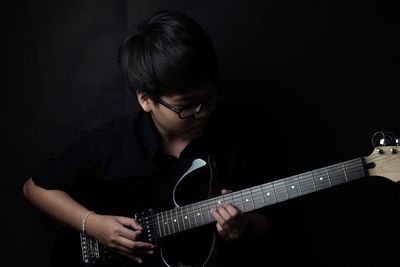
x,y
145,101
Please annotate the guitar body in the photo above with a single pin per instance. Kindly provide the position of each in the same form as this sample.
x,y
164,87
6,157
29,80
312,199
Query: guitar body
x,y
195,247
189,183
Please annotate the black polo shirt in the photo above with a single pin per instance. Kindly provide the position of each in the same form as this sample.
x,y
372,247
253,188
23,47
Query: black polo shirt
x,y
118,168
127,148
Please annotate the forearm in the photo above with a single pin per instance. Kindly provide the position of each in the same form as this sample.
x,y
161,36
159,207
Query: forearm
x,y
57,204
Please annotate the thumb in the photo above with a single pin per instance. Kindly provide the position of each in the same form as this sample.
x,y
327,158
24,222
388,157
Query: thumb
x,y
129,222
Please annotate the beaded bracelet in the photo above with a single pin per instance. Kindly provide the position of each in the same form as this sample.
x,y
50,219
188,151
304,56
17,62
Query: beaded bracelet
x,y
84,221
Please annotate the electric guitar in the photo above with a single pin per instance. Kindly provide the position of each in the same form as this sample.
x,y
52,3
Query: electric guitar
x,y
179,222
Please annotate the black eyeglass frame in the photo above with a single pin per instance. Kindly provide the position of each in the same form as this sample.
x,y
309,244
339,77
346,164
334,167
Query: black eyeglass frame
x,y
196,108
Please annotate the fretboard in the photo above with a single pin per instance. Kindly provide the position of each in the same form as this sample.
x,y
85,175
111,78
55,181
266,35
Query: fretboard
x,y
197,214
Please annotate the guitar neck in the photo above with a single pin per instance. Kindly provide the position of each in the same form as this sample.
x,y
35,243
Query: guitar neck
x,y
197,214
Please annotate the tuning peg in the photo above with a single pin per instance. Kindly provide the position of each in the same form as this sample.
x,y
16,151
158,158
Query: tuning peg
x,y
384,142
397,141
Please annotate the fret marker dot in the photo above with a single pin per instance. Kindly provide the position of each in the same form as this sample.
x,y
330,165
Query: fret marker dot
x,y
219,202
198,214
166,223
247,200
268,194
185,217
174,220
321,178
292,186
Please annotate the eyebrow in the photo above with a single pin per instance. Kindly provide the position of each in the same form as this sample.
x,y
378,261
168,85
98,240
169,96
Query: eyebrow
x,y
179,99
190,97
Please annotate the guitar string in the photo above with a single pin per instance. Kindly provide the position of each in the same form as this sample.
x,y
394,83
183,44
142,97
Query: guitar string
x,y
151,220
353,166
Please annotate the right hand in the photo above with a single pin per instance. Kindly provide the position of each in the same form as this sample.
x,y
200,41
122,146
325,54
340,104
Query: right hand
x,y
120,234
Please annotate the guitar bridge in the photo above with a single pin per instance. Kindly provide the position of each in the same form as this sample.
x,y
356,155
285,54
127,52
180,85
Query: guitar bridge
x,y
94,253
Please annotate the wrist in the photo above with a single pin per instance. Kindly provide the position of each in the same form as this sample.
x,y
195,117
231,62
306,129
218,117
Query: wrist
x,y
84,221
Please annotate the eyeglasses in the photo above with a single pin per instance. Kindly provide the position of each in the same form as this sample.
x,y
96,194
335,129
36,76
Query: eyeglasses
x,y
192,110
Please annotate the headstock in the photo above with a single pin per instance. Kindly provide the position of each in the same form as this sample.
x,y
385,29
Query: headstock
x,y
384,161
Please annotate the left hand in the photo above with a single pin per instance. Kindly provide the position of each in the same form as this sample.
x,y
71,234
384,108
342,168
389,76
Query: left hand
x,y
231,222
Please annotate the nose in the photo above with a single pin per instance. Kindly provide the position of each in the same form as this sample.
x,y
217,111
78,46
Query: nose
x,y
203,112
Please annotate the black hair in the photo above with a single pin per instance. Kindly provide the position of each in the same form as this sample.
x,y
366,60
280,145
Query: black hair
x,y
169,53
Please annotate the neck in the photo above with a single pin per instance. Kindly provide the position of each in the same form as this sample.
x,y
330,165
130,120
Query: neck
x,y
173,145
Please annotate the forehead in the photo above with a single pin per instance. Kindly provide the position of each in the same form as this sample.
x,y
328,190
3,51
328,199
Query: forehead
x,y
188,96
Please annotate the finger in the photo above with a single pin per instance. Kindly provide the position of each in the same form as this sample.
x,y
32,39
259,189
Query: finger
x,y
129,222
225,221
139,245
146,252
127,245
130,234
226,191
217,216
232,210
224,213
132,257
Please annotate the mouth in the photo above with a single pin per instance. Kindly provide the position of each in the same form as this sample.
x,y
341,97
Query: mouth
x,y
197,127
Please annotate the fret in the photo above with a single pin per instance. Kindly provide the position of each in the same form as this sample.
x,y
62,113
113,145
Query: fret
x,y
183,219
307,183
321,179
329,178
198,215
269,193
252,198
281,193
219,201
160,223
354,169
216,202
178,219
187,217
262,195
235,199
172,221
337,175
194,215
213,203
344,171
227,199
166,223
205,211
209,207
293,187
247,200
258,198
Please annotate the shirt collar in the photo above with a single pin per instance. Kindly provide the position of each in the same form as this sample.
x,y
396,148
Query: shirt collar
x,y
146,132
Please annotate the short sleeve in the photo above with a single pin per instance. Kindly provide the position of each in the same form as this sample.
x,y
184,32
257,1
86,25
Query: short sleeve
x,y
71,166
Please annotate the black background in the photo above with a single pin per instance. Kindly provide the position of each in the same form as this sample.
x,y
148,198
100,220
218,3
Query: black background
x,y
327,72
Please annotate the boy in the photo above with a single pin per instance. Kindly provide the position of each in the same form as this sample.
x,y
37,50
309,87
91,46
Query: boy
x,y
95,185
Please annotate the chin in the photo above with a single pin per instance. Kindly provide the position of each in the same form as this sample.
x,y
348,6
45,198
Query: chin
x,y
195,132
